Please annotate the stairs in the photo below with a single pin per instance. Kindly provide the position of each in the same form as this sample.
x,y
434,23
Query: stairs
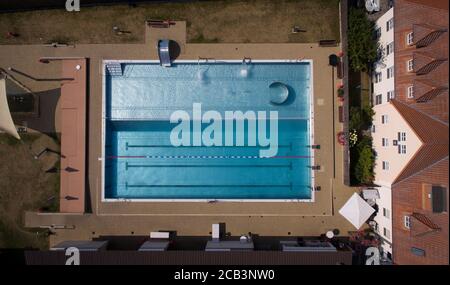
x,y
114,68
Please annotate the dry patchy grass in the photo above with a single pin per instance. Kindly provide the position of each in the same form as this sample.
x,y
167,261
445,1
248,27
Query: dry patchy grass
x,y
24,185
254,21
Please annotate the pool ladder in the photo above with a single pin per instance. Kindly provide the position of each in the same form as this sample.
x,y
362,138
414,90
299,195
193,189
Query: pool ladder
x,y
114,68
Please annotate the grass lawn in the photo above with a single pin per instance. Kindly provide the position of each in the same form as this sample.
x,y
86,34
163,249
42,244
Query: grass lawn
x,y
25,186
232,21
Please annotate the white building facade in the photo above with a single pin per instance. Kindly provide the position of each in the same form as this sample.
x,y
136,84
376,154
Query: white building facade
x,y
383,73
383,139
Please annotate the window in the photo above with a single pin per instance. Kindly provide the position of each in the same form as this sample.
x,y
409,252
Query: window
x,y
384,142
402,136
384,119
378,32
417,251
402,149
385,165
410,91
378,77
386,233
390,72
378,99
373,128
395,142
407,222
386,213
390,95
410,65
390,48
410,38
389,25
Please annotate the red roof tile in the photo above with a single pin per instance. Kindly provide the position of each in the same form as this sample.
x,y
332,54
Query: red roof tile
x,y
439,4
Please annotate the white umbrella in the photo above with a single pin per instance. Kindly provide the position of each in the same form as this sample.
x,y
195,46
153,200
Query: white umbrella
x,y
6,122
356,211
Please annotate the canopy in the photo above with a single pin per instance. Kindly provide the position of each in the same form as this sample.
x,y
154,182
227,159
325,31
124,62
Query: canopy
x,y
356,210
370,194
6,121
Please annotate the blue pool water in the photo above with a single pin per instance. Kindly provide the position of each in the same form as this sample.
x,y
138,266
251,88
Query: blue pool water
x,y
141,163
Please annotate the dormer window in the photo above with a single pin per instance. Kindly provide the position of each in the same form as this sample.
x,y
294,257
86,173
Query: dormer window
x,y
410,91
410,65
410,38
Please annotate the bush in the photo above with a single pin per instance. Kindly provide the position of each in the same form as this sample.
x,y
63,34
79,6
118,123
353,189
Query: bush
x,y
362,47
364,166
365,160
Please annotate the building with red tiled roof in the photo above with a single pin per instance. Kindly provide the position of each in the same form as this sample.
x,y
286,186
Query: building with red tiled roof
x,y
425,87
420,192
410,136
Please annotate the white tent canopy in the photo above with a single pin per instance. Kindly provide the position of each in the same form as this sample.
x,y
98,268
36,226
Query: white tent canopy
x,y
356,210
6,121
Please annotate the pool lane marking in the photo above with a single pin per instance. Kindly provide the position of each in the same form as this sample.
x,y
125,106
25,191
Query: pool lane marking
x,y
207,156
127,146
206,165
210,186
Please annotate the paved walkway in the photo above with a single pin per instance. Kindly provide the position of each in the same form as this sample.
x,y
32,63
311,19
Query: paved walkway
x,y
73,136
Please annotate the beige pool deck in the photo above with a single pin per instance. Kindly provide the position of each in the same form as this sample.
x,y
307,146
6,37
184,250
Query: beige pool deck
x,y
192,218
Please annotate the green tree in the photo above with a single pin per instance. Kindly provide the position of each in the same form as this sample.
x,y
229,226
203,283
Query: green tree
x,y
362,46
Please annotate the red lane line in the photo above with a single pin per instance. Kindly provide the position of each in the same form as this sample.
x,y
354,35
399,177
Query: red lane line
x,y
292,156
143,156
127,156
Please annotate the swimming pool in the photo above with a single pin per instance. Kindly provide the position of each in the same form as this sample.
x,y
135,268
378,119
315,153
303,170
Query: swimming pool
x,y
140,162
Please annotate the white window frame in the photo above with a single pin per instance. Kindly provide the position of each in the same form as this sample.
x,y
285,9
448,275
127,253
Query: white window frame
x,y
386,213
378,32
384,119
390,95
410,91
378,77
384,142
390,72
407,222
410,38
403,136
410,65
389,48
389,24
378,99
385,165
386,233
402,149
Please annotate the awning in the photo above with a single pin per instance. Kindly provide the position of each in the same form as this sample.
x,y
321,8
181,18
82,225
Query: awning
x,y
356,210
6,121
370,194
